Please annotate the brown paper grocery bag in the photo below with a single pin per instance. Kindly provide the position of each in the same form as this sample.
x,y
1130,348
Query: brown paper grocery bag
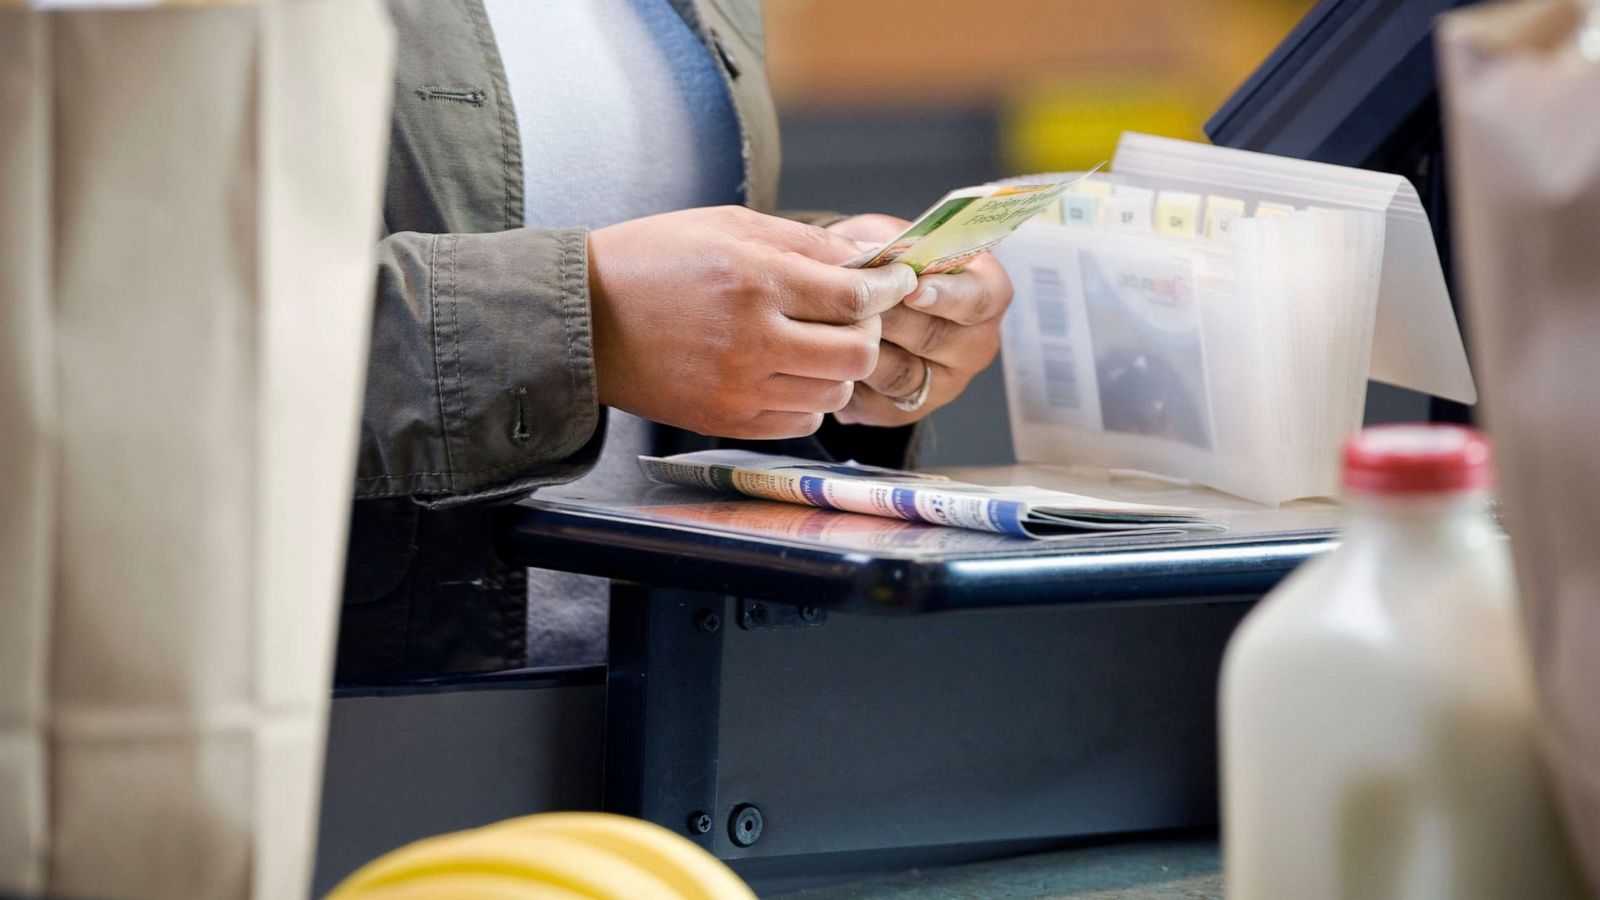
x,y
190,206
1521,86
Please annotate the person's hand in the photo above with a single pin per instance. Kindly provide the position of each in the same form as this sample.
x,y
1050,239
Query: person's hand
x,y
732,323
951,321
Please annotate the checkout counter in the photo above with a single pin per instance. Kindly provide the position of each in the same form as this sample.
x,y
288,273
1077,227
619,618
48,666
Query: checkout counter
x,y
817,712
825,709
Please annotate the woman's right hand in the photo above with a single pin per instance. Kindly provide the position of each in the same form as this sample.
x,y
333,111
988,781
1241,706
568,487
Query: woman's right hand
x,y
731,323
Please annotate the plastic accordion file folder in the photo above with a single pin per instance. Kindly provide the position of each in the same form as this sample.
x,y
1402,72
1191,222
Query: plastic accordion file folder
x,y
1213,315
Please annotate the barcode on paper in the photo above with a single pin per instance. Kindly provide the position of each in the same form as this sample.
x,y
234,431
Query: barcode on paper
x,y
1060,376
1049,303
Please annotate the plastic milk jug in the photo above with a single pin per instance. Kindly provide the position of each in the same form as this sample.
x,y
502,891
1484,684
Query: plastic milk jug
x,y
1377,708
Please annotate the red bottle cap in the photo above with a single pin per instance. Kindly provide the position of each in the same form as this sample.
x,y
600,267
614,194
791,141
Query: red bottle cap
x,y
1417,459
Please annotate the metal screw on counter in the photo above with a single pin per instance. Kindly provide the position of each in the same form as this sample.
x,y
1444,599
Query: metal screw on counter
x,y
745,825
757,615
708,621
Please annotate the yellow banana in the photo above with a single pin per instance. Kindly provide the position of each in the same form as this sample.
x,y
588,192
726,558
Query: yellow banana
x,y
538,859
691,871
466,886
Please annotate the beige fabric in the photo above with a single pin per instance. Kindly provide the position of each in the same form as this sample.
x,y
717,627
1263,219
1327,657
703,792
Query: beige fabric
x,y
27,467
186,258
1524,149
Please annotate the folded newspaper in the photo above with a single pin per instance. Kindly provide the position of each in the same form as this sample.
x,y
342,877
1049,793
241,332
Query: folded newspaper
x,y
933,499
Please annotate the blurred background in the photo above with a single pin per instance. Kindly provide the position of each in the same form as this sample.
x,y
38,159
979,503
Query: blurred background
x,y
878,122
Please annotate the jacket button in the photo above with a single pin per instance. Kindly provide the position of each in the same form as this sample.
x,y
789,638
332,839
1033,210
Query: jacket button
x,y
726,55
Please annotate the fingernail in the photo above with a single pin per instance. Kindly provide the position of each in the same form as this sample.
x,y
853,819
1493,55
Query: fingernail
x,y
925,298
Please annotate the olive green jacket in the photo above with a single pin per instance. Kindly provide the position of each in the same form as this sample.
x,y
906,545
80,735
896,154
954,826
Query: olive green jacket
x,y
482,383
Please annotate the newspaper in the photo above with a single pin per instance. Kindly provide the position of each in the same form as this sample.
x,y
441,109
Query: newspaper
x,y
963,224
917,497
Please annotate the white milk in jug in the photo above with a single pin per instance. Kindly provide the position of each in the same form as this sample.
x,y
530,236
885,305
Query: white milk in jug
x,y
1378,707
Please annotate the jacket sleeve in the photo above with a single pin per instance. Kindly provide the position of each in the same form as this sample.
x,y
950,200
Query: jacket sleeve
x,y
481,381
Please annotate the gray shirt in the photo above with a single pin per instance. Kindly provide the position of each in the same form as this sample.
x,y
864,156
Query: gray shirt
x,y
625,117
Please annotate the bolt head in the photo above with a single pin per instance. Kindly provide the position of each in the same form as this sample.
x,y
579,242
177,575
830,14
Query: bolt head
x,y
700,823
745,825
708,621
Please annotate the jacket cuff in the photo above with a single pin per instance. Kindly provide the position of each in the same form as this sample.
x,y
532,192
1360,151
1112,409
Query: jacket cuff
x,y
524,483
514,394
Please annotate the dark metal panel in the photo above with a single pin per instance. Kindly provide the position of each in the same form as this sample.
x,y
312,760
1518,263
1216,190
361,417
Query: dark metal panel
x,y
1009,725
663,706
402,768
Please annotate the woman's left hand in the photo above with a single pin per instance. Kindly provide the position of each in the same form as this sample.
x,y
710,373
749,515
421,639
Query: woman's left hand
x,y
948,330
